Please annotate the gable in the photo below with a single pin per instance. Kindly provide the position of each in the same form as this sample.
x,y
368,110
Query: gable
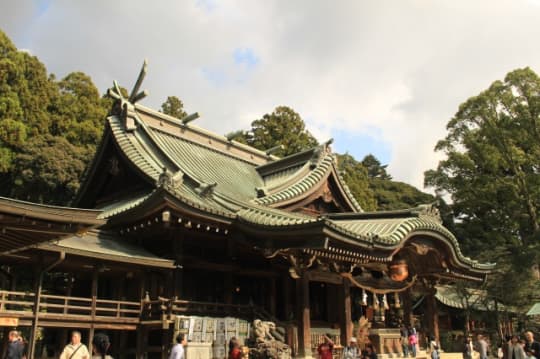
x,y
110,177
326,197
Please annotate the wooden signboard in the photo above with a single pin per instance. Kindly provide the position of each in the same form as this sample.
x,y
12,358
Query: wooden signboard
x,y
9,322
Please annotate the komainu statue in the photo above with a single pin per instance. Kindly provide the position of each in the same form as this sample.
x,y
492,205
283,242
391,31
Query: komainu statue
x,y
267,341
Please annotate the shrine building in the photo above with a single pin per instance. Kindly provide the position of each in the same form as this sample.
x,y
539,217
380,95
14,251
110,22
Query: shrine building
x,y
172,221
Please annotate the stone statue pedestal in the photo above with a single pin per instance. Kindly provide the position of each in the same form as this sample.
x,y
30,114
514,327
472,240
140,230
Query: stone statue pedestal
x,y
386,341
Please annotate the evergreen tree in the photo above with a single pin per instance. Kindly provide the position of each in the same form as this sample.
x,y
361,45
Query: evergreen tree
x,y
491,172
355,175
48,129
283,127
174,107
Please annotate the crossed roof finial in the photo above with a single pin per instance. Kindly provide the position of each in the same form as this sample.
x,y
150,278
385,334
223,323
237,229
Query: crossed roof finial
x,y
116,93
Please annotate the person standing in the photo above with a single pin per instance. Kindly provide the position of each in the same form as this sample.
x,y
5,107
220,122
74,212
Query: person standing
x,y
177,351
532,345
15,349
75,349
413,340
100,346
467,348
351,351
404,339
481,346
234,349
515,349
435,352
326,348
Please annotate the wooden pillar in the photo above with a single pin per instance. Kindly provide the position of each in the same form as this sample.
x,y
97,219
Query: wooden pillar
x,y
407,308
433,315
178,247
345,318
304,321
287,305
273,296
38,282
142,339
228,295
94,293
12,287
165,343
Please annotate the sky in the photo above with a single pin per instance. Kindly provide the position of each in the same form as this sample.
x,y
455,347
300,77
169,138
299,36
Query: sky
x,y
381,77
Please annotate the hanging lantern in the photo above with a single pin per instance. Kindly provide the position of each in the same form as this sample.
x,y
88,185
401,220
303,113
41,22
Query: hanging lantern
x,y
375,302
399,270
385,302
364,297
397,303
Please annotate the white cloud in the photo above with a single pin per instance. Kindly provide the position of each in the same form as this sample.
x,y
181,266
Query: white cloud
x,y
397,69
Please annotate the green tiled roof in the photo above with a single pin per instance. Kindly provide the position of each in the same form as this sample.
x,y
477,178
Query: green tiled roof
x,y
123,205
535,310
233,176
108,247
134,150
302,186
474,298
392,232
245,185
382,232
273,217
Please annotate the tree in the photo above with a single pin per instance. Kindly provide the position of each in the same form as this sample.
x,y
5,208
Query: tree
x,y
392,195
374,168
48,170
78,110
42,120
174,107
25,93
356,177
491,172
283,127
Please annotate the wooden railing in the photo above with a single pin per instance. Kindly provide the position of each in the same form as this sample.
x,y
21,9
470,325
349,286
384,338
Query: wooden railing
x,y
21,304
50,305
164,307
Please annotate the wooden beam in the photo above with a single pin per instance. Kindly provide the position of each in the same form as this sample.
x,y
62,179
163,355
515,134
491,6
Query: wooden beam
x,y
197,263
324,277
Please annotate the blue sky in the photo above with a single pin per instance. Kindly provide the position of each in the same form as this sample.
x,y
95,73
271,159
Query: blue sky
x,y
379,77
361,144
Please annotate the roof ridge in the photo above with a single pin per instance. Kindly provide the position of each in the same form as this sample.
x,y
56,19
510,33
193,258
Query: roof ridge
x,y
186,128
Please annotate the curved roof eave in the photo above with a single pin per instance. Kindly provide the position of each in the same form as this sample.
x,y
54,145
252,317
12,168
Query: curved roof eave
x,y
309,183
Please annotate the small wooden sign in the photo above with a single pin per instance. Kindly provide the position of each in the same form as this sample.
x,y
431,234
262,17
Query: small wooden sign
x,y
9,322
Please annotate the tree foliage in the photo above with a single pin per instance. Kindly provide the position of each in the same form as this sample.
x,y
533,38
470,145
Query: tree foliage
x,y
282,127
48,129
491,172
355,175
391,195
174,107
368,180
374,168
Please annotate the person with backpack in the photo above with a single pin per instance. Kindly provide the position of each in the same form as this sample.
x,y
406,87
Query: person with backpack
x,y
75,349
